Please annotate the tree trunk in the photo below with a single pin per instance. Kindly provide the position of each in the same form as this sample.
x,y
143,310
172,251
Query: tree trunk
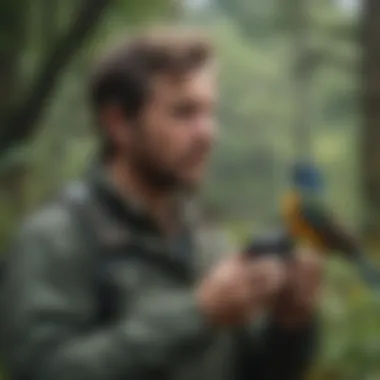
x,y
302,81
370,132
21,120
13,21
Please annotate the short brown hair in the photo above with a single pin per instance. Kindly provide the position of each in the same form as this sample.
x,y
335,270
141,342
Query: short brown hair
x,y
123,75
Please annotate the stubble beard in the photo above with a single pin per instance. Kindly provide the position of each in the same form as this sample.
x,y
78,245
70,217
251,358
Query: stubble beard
x,y
161,179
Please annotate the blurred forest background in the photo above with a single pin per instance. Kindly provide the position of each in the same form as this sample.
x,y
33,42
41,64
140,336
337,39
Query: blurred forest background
x,y
283,62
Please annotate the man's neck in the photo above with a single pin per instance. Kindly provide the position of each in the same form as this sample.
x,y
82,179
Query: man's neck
x,y
131,185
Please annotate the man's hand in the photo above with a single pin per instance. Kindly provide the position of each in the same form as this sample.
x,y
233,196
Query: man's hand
x,y
298,301
239,288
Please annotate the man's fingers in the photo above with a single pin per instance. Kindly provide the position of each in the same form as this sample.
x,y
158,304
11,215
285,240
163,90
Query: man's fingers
x,y
267,274
307,276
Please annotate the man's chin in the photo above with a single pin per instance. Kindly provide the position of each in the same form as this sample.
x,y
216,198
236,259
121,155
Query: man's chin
x,y
172,181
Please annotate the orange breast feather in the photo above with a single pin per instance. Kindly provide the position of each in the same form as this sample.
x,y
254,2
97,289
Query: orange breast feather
x,y
300,230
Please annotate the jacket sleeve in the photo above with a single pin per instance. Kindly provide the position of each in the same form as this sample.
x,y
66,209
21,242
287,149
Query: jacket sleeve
x,y
49,306
275,353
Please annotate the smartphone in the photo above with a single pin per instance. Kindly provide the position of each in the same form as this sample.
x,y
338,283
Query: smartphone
x,y
277,242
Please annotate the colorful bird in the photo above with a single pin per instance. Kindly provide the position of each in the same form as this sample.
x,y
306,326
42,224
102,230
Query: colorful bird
x,y
309,221
306,220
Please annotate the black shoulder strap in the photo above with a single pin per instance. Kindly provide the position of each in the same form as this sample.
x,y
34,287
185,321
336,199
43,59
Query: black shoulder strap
x,y
81,202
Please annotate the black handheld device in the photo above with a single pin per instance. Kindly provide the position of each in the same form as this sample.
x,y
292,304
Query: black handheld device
x,y
278,242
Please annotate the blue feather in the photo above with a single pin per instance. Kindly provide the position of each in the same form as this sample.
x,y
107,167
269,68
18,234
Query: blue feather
x,y
307,178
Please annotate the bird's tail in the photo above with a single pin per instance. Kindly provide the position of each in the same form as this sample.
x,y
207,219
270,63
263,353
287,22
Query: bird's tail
x,y
367,270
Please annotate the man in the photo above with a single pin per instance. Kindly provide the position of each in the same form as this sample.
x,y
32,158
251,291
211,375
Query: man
x,y
103,281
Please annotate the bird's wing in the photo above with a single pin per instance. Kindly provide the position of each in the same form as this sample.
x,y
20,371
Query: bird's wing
x,y
324,223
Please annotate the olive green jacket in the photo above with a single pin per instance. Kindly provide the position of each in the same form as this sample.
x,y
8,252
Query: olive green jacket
x,y
118,303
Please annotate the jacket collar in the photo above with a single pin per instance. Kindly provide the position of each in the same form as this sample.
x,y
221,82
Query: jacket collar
x,y
126,209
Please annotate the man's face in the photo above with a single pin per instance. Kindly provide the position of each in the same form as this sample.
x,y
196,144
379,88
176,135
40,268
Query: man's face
x,y
175,132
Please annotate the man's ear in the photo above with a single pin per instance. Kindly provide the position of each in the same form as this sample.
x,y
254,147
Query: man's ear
x,y
115,122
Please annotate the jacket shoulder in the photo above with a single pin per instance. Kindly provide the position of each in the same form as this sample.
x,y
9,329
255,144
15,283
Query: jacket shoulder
x,y
54,220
